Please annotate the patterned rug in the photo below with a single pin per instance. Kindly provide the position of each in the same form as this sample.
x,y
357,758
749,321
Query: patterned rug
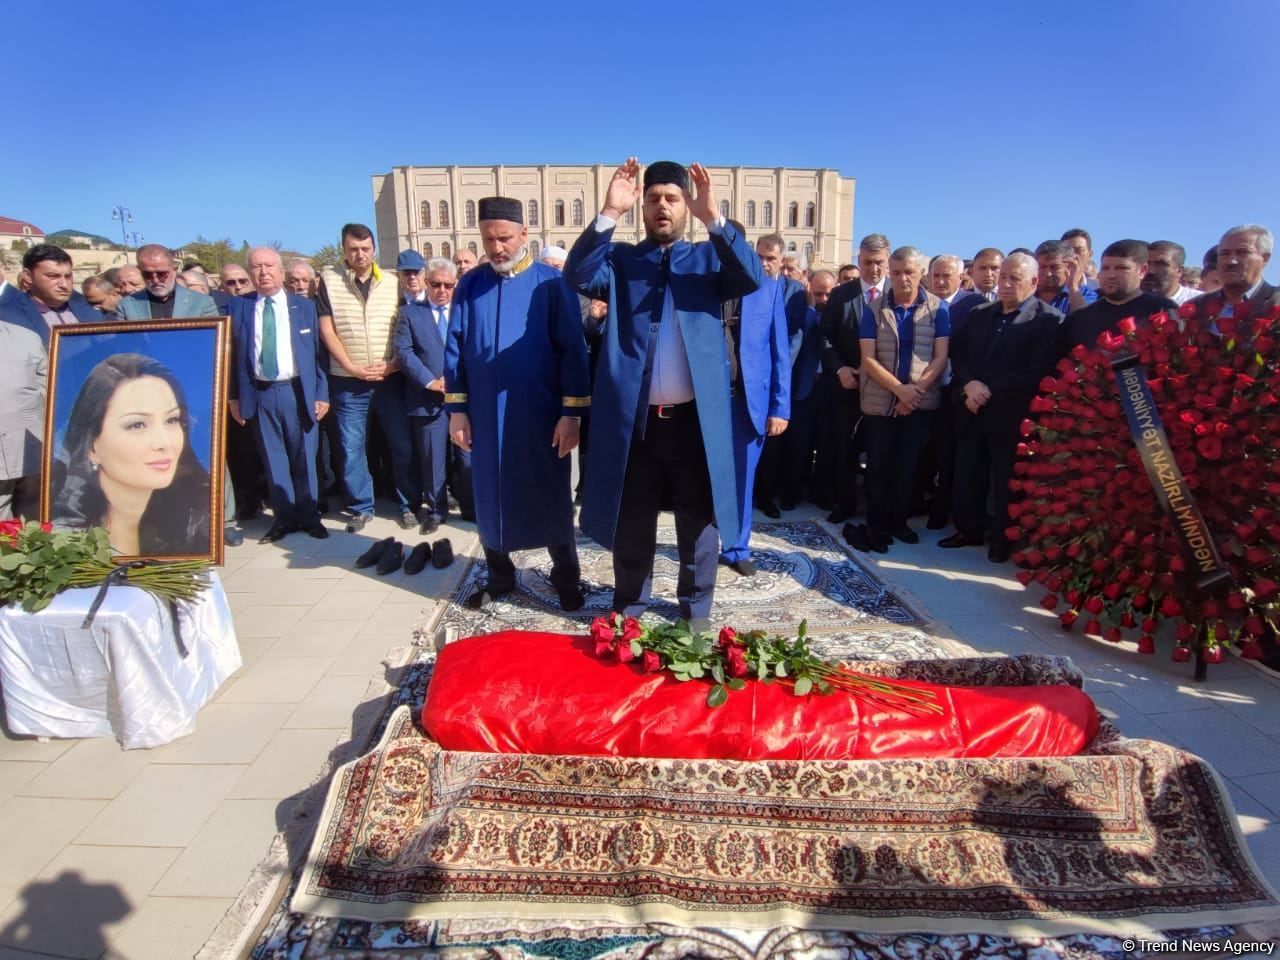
x,y
804,574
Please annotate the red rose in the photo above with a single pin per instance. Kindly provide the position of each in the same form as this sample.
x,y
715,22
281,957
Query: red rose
x,y
1184,632
651,662
1146,643
1093,629
602,633
1210,448
1113,635
1181,654
604,649
623,649
1169,607
1067,618
1149,625
631,629
1252,650
736,661
1093,605
1187,311
1213,654
1126,325
1049,601
1128,620
1265,588
728,637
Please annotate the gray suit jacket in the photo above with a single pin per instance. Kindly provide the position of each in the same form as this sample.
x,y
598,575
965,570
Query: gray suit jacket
x,y
186,303
24,374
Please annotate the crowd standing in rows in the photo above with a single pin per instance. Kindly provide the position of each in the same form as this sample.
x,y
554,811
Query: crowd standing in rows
x,y
705,378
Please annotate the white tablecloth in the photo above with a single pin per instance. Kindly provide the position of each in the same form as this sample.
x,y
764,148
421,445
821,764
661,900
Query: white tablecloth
x,y
125,676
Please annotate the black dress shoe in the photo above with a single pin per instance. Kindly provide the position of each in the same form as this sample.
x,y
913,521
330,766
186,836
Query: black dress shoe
x,y
278,531
441,554
857,537
467,517
408,520
317,530
374,553
769,509
572,598
358,522
905,534
879,541
838,515
485,594
391,558
959,539
428,522
999,552
418,558
232,537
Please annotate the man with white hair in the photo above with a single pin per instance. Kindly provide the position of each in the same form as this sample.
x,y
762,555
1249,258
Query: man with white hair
x,y
278,384
516,383
195,279
162,298
904,341
555,257
998,359
1243,254
300,278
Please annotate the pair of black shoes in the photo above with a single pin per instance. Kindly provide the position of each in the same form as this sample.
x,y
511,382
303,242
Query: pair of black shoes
x,y
388,556
279,531
864,539
428,522
769,509
571,598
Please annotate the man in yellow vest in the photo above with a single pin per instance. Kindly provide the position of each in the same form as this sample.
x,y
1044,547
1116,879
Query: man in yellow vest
x,y
358,304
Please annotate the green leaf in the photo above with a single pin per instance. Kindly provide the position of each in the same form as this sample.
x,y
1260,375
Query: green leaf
x,y
737,683
11,561
717,672
803,686
717,696
636,649
780,670
803,630
26,568
697,671
824,687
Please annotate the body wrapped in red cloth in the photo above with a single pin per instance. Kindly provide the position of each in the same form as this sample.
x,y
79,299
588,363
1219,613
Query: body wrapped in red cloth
x,y
516,692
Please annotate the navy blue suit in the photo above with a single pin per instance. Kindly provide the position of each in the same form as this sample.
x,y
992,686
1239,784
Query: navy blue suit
x,y
420,346
282,412
637,449
763,390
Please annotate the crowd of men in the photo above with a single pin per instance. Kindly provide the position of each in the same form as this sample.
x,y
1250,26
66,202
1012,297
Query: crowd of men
x,y
704,378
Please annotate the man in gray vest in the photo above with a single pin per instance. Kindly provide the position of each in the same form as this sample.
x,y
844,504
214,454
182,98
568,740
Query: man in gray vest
x,y
904,343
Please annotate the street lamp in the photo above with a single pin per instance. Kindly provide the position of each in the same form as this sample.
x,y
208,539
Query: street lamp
x,y
125,216
136,239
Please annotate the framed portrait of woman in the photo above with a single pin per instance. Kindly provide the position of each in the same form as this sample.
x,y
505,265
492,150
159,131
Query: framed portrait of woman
x,y
134,436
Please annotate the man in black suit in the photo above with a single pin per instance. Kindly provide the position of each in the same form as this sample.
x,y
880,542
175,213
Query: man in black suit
x,y
998,360
837,456
1243,253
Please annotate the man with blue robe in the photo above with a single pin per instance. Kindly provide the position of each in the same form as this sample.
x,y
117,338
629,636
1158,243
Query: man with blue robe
x,y
758,340
515,376
661,424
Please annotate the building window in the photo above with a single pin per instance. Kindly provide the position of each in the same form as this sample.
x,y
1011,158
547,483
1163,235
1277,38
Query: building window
x,y
791,247
444,215
724,209
533,213
808,254
629,218
810,214
577,213
559,213
767,214
475,251
793,214
446,251
428,251
426,215
533,248
469,211
751,213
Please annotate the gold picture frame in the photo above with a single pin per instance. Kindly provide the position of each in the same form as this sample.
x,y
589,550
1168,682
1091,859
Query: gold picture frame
x,y
174,372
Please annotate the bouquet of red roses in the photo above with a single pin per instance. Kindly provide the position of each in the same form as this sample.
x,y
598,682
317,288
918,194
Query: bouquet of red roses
x,y
1122,542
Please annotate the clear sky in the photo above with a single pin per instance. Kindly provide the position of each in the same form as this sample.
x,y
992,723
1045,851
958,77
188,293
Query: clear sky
x,y
965,124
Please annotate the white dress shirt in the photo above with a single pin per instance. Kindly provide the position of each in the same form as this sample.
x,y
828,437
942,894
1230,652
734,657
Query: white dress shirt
x,y
285,366
1183,294
878,287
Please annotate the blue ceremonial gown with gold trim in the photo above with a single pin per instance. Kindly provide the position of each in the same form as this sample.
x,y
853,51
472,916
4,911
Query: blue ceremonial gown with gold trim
x,y
515,362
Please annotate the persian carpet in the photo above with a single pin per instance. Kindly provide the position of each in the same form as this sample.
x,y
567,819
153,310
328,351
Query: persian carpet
x,y
1132,836
804,574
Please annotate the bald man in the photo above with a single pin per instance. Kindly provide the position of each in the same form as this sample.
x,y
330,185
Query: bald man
x,y
279,388
161,298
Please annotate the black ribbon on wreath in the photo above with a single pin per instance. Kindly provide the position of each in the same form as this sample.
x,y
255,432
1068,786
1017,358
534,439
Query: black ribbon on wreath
x,y
1170,486
120,577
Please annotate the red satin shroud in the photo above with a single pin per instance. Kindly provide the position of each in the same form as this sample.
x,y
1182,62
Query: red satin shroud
x,y
517,692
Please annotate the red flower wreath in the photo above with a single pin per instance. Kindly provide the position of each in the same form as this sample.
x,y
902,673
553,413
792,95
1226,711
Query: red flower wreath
x,y
1096,534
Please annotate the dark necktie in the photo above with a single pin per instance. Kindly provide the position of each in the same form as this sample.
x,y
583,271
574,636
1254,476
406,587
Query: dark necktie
x,y
270,365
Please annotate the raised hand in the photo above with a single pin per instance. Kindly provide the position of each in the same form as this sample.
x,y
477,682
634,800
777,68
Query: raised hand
x,y
624,190
702,198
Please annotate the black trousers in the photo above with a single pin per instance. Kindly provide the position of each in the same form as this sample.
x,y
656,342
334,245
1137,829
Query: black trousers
x,y
798,446
565,571
893,450
985,452
839,445
670,459
245,464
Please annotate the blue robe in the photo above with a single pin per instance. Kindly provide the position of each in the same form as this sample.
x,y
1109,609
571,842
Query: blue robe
x,y
703,275
515,362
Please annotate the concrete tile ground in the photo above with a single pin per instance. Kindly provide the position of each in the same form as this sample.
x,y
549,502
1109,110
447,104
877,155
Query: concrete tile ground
x,y
138,854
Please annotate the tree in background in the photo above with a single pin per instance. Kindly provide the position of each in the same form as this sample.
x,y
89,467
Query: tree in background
x,y
327,256
213,255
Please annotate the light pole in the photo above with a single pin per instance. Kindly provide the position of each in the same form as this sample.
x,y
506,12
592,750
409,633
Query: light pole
x,y
125,216
136,239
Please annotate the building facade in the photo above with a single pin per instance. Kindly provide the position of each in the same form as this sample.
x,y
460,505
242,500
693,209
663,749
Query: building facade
x,y
433,209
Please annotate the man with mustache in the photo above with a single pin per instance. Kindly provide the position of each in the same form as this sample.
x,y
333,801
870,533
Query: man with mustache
x,y
660,408
1243,253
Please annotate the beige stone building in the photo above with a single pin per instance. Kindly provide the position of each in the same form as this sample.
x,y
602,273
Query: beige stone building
x,y
433,209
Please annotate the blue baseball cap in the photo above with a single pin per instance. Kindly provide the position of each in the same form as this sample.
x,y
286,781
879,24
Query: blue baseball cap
x,y
410,260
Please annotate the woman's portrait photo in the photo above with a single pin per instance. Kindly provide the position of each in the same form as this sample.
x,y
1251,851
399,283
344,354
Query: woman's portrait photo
x,y
134,436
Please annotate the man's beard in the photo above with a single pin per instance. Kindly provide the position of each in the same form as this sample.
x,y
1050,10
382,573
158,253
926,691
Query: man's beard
x,y
673,233
509,266
162,294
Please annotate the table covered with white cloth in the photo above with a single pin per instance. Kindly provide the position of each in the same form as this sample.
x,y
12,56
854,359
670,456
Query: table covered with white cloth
x,y
134,674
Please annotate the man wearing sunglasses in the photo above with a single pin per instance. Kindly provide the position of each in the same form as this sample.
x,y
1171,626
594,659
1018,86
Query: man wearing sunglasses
x,y
161,298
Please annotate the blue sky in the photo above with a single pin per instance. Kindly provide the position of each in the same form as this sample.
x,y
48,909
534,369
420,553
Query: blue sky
x,y
966,125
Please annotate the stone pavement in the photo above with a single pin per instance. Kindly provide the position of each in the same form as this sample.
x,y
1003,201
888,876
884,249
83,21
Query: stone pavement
x,y
138,854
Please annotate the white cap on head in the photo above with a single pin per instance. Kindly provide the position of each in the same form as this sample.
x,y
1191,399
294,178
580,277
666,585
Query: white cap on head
x,y
555,253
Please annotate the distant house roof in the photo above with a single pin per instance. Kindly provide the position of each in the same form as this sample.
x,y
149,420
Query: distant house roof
x,y
19,227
